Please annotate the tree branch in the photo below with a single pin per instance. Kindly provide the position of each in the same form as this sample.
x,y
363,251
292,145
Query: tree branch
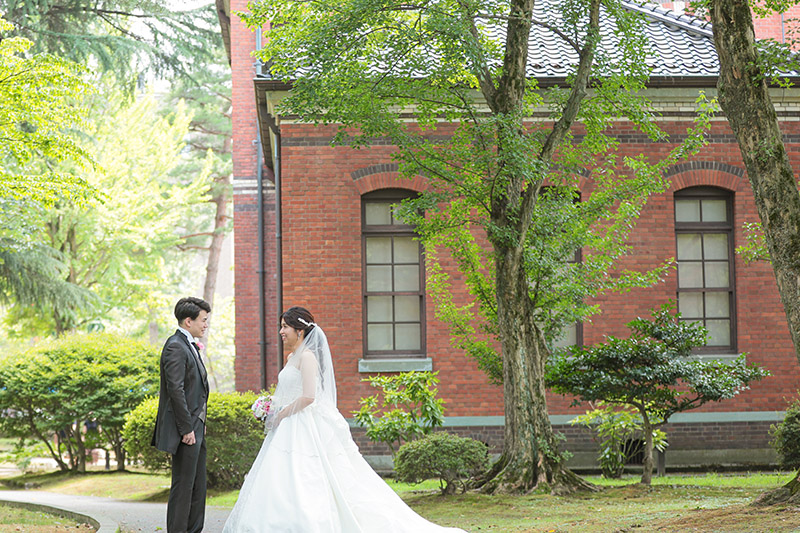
x,y
568,115
202,234
482,69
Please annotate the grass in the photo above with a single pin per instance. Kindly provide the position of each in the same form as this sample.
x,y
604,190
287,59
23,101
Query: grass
x,y
17,519
674,503
756,480
134,486
709,502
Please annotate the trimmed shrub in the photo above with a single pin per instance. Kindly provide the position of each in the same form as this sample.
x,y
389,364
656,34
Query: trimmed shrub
x,y
786,437
450,458
138,433
234,437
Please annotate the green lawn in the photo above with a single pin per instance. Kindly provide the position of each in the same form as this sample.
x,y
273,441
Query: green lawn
x,y
711,502
17,519
674,503
136,486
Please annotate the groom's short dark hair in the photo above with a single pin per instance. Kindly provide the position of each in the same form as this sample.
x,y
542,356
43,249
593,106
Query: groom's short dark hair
x,y
190,308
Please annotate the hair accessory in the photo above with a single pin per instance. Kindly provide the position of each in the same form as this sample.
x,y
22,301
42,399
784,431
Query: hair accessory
x,y
308,324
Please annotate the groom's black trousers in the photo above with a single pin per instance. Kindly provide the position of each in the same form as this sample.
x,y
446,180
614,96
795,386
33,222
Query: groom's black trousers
x,y
186,508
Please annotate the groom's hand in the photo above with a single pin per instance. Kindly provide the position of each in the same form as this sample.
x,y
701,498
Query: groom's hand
x,y
188,438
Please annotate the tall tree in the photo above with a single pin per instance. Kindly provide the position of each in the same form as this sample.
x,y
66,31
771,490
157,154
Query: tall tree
x,y
123,37
118,247
460,69
744,85
208,96
42,112
129,38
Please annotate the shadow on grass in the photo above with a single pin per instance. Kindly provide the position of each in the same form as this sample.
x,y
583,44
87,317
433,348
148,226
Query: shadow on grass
x,y
36,480
157,497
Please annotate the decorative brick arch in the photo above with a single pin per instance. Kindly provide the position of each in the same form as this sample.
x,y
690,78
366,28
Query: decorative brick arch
x,y
385,176
708,173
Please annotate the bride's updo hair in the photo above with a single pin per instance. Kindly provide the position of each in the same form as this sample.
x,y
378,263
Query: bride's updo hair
x,y
299,318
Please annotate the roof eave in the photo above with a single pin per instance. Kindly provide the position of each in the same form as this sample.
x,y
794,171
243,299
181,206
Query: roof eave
x,y
270,85
266,121
223,8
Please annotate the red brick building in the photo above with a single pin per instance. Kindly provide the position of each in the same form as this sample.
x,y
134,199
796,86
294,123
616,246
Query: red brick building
x,y
330,204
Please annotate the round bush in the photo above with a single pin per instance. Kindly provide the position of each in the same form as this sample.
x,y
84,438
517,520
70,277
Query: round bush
x,y
233,438
786,437
138,433
450,458
59,385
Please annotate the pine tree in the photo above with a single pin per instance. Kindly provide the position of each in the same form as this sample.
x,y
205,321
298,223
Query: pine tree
x,y
127,37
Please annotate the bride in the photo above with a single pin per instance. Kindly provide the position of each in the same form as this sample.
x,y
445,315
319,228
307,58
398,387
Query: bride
x,y
309,475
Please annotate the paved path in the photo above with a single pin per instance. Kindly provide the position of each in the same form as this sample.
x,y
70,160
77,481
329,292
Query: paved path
x,y
133,517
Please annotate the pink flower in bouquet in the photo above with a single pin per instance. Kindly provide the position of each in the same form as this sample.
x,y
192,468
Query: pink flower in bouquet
x,y
261,407
200,346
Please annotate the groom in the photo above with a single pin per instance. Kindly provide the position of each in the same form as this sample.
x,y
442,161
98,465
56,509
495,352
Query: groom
x,y
180,424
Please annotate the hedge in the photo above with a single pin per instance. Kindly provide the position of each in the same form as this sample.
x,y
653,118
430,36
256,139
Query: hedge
x,y
233,438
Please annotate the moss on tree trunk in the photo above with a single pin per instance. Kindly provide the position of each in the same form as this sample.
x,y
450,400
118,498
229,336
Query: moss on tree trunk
x,y
744,97
789,493
531,458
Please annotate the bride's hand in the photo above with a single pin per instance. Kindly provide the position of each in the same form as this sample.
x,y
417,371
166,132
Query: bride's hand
x,y
280,416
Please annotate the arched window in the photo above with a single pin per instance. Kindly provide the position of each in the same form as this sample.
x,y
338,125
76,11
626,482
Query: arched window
x,y
704,240
393,280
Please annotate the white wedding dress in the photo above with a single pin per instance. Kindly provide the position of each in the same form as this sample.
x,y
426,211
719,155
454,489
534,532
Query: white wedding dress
x,y
309,476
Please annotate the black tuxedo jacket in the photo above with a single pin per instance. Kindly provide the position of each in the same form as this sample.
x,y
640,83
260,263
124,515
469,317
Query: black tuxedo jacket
x,y
183,395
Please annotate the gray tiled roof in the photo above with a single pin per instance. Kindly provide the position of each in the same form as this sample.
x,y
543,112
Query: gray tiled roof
x,y
680,45
681,49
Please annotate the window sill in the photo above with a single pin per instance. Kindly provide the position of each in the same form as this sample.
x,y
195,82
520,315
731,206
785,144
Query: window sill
x,y
713,357
395,365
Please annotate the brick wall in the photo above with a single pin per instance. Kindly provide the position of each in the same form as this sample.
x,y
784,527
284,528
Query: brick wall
x,y
777,26
245,216
322,188
699,439
322,257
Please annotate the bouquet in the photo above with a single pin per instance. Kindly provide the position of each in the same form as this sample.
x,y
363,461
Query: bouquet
x,y
261,407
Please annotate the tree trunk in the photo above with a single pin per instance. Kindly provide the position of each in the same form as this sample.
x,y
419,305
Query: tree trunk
x,y
67,442
80,449
789,493
744,97
647,462
119,453
531,458
59,322
53,453
152,326
221,198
